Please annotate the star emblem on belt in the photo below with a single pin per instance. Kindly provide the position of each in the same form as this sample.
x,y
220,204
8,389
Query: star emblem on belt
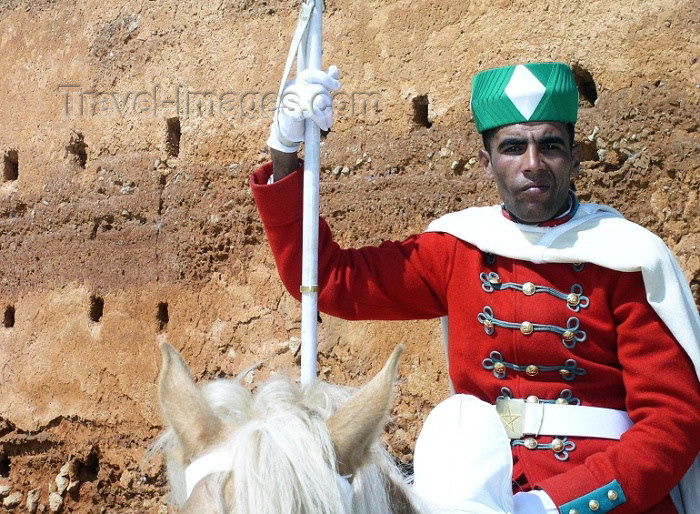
x,y
508,418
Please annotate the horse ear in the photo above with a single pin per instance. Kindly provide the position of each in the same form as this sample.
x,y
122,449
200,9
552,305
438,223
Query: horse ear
x,y
184,409
355,426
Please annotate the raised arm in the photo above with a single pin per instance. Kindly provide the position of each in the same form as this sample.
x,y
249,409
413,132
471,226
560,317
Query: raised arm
x,y
283,163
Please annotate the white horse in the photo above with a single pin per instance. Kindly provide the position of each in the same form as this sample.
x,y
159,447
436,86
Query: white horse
x,y
287,449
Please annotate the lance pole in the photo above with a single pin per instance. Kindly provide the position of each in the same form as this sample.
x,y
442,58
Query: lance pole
x,y
312,167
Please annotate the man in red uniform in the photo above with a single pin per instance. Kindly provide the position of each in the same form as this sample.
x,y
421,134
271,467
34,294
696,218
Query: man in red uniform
x,y
575,322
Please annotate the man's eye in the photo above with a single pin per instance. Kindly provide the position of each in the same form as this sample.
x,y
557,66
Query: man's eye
x,y
551,147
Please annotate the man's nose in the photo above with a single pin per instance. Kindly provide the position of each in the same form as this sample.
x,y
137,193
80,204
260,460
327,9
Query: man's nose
x,y
533,158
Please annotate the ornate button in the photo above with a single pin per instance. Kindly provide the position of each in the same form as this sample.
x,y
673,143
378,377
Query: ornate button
x,y
561,401
573,299
488,323
532,370
557,445
593,505
565,372
494,279
526,328
530,443
532,399
499,367
529,288
612,495
573,511
568,335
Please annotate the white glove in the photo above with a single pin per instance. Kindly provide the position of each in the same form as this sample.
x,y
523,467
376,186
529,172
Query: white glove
x,y
308,96
534,502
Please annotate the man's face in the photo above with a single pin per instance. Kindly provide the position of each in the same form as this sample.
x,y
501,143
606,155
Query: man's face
x,y
532,164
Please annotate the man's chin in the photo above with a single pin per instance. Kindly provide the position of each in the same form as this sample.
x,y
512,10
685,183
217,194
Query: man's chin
x,y
533,216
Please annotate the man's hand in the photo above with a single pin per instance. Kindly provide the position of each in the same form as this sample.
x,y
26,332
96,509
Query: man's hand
x,y
308,96
534,502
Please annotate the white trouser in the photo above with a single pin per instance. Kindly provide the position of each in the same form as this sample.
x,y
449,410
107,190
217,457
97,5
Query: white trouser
x,y
463,462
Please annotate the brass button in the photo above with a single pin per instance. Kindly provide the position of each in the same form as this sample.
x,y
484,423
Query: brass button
x,y
526,328
488,323
577,264
573,299
529,288
494,279
568,335
565,372
612,495
557,445
532,399
561,401
532,370
593,505
530,443
499,367
573,511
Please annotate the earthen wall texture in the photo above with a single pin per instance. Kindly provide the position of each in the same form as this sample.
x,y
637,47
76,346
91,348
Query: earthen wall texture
x,y
129,130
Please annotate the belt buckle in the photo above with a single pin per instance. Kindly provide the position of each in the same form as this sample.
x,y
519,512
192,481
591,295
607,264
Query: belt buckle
x,y
512,414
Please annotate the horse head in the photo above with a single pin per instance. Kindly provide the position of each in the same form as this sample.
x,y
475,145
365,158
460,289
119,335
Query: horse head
x,y
288,448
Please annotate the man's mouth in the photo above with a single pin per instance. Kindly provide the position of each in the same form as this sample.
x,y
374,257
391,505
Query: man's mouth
x,y
535,188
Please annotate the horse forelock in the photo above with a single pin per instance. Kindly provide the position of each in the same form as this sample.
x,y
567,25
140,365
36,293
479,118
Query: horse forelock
x,y
280,454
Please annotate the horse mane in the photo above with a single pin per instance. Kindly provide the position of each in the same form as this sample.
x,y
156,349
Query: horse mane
x,y
282,458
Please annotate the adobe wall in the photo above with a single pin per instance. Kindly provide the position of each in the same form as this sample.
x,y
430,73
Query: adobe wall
x,y
126,218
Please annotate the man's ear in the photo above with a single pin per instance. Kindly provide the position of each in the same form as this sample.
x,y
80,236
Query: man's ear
x,y
485,161
576,159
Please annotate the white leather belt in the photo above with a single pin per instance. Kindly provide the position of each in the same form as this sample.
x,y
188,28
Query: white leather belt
x,y
524,418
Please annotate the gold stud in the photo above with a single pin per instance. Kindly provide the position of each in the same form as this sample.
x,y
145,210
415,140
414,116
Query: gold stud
x,y
532,399
529,288
561,401
573,299
494,279
568,335
593,505
565,373
488,323
499,367
526,327
530,443
557,445
612,495
532,370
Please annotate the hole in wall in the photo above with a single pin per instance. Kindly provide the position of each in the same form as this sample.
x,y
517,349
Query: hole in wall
x,y
420,111
172,138
5,467
77,148
8,319
585,83
162,316
86,470
11,165
97,307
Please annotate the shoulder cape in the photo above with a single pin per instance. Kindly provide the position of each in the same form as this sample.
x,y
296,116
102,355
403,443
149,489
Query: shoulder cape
x,y
600,235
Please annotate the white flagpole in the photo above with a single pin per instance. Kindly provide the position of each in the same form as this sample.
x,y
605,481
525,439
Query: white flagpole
x,y
312,168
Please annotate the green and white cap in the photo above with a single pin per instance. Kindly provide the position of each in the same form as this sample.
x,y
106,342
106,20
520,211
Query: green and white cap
x,y
526,92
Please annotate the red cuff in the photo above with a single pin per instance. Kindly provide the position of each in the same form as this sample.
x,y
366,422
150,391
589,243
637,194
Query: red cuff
x,y
281,202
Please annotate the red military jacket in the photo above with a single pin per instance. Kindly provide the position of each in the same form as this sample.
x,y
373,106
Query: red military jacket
x,y
579,333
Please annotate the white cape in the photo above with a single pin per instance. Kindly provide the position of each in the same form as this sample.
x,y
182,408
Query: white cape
x,y
600,235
